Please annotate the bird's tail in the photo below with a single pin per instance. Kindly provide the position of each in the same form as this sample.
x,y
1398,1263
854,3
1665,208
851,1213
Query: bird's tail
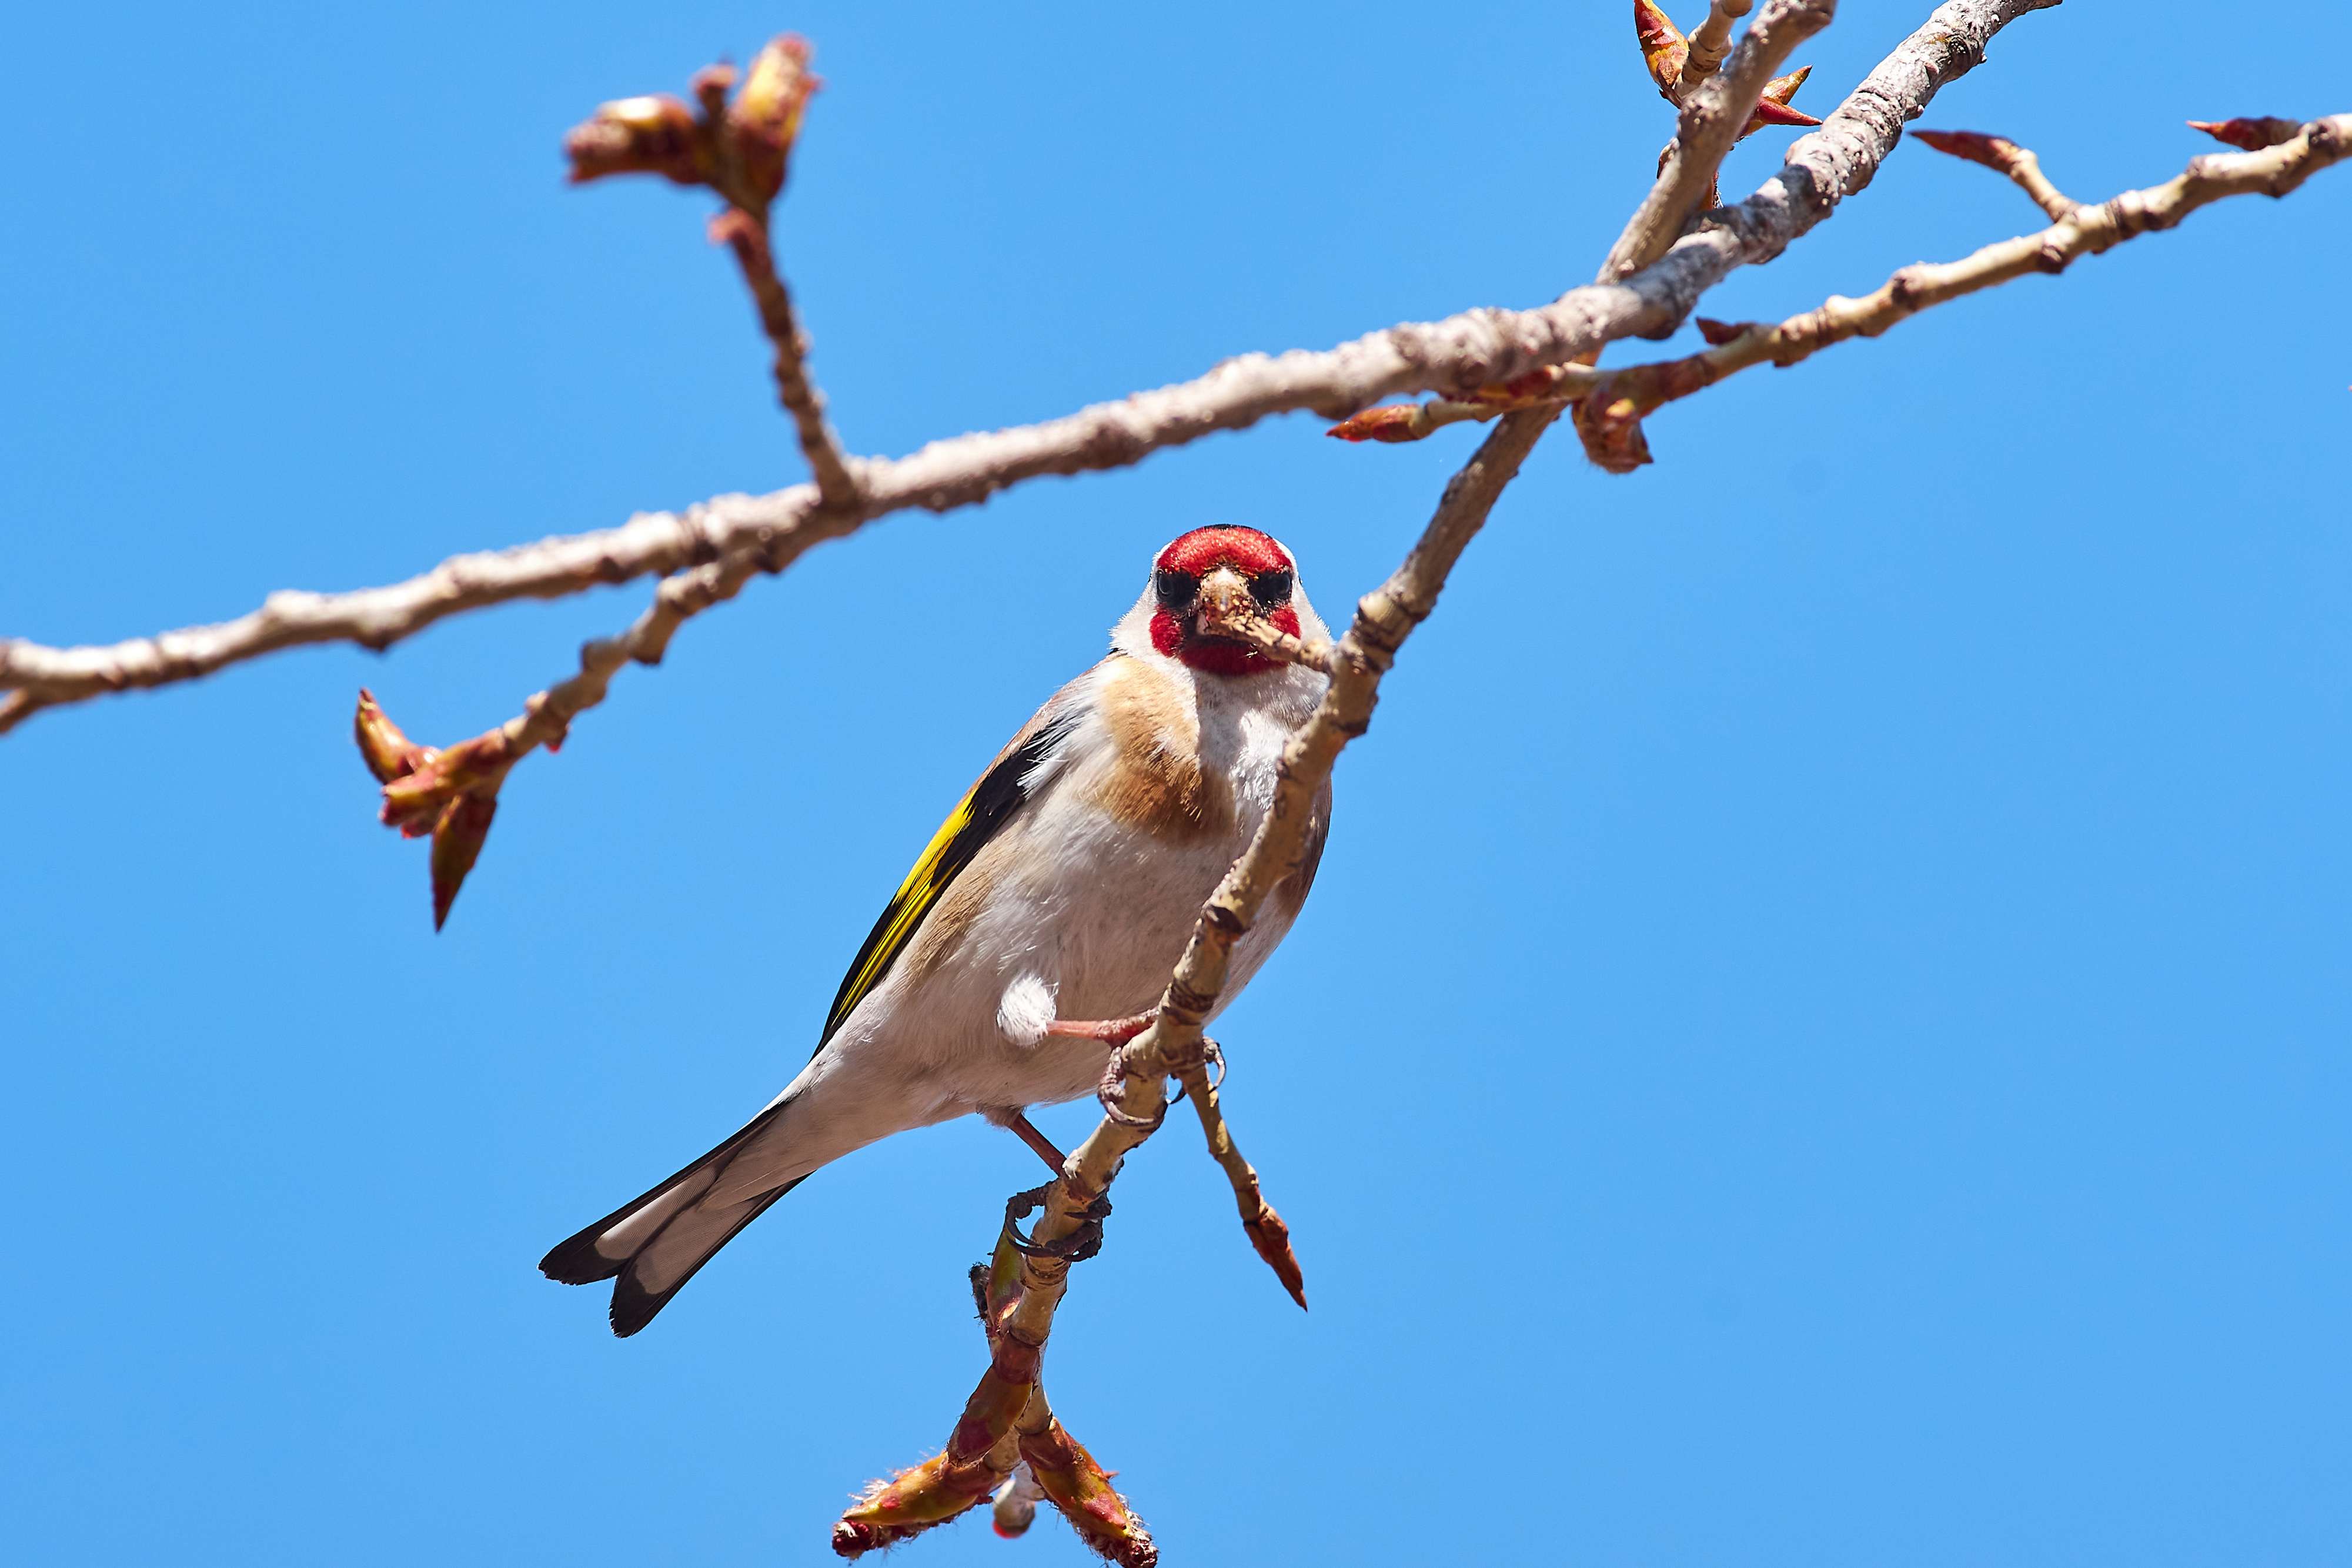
x,y
651,1246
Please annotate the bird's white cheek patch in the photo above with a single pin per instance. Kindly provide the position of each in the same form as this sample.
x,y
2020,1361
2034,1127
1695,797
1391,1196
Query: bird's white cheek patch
x,y
1026,1009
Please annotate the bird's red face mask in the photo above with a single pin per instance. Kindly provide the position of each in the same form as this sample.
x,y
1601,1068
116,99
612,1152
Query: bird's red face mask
x,y
1178,576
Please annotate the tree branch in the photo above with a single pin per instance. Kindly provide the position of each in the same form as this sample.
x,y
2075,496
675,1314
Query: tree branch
x,y
747,238
1458,354
1608,419
1712,116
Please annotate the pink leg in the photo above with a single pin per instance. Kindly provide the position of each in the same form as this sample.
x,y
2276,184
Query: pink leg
x,y
1026,1131
1110,1031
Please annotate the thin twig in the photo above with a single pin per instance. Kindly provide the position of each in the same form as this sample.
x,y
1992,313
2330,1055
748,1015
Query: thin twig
x,y
746,237
2005,157
1266,1232
1711,42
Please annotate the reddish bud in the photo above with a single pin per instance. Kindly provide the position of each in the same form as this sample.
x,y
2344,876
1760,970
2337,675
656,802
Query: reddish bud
x,y
1396,421
451,794
474,766
2253,133
766,117
457,845
1770,113
1271,1238
1772,108
389,754
913,1500
1719,333
1610,428
1077,1486
1992,151
1663,49
653,134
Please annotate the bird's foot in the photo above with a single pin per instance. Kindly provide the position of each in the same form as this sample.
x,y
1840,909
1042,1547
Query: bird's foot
x,y
1076,1248
1112,1091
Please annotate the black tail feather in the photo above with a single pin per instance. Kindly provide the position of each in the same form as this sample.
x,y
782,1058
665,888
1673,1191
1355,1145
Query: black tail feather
x,y
634,1306
575,1260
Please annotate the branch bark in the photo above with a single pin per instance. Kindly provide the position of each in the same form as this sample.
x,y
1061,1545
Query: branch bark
x,y
1711,41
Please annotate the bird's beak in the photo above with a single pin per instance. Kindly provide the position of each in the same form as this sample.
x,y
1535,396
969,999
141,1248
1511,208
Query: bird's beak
x,y
1224,608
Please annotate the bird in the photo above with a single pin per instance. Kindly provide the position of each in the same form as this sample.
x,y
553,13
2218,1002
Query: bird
x,y
1059,892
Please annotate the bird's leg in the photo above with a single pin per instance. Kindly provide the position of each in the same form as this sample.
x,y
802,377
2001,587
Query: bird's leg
x,y
1110,1031
1026,1131
1118,1034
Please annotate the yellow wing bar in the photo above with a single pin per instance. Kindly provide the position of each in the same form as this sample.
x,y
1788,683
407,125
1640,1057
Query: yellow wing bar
x,y
978,817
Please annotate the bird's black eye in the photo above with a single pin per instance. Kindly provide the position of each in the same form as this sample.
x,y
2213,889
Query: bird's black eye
x,y
1271,589
1176,589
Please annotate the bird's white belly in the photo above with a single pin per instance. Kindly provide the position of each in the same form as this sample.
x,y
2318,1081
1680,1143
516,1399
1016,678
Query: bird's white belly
x,y
1102,929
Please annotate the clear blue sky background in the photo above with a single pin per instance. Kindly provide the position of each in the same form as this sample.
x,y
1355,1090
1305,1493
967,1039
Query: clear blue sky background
x,y
1822,1037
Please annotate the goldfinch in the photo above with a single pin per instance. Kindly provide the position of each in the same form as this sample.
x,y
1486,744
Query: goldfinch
x,y
1062,887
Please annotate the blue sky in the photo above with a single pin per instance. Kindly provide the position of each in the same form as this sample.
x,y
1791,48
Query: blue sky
x,y
1821,1036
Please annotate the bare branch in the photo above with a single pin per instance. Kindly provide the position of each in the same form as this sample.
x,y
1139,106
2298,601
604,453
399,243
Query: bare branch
x,y
1268,1235
1459,354
453,793
747,238
1821,169
2002,156
742,151
1712,117
754,138
1610,418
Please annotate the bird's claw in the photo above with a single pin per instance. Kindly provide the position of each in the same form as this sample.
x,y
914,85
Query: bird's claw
x,y
1113,1089
1211,1055
1076,1248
